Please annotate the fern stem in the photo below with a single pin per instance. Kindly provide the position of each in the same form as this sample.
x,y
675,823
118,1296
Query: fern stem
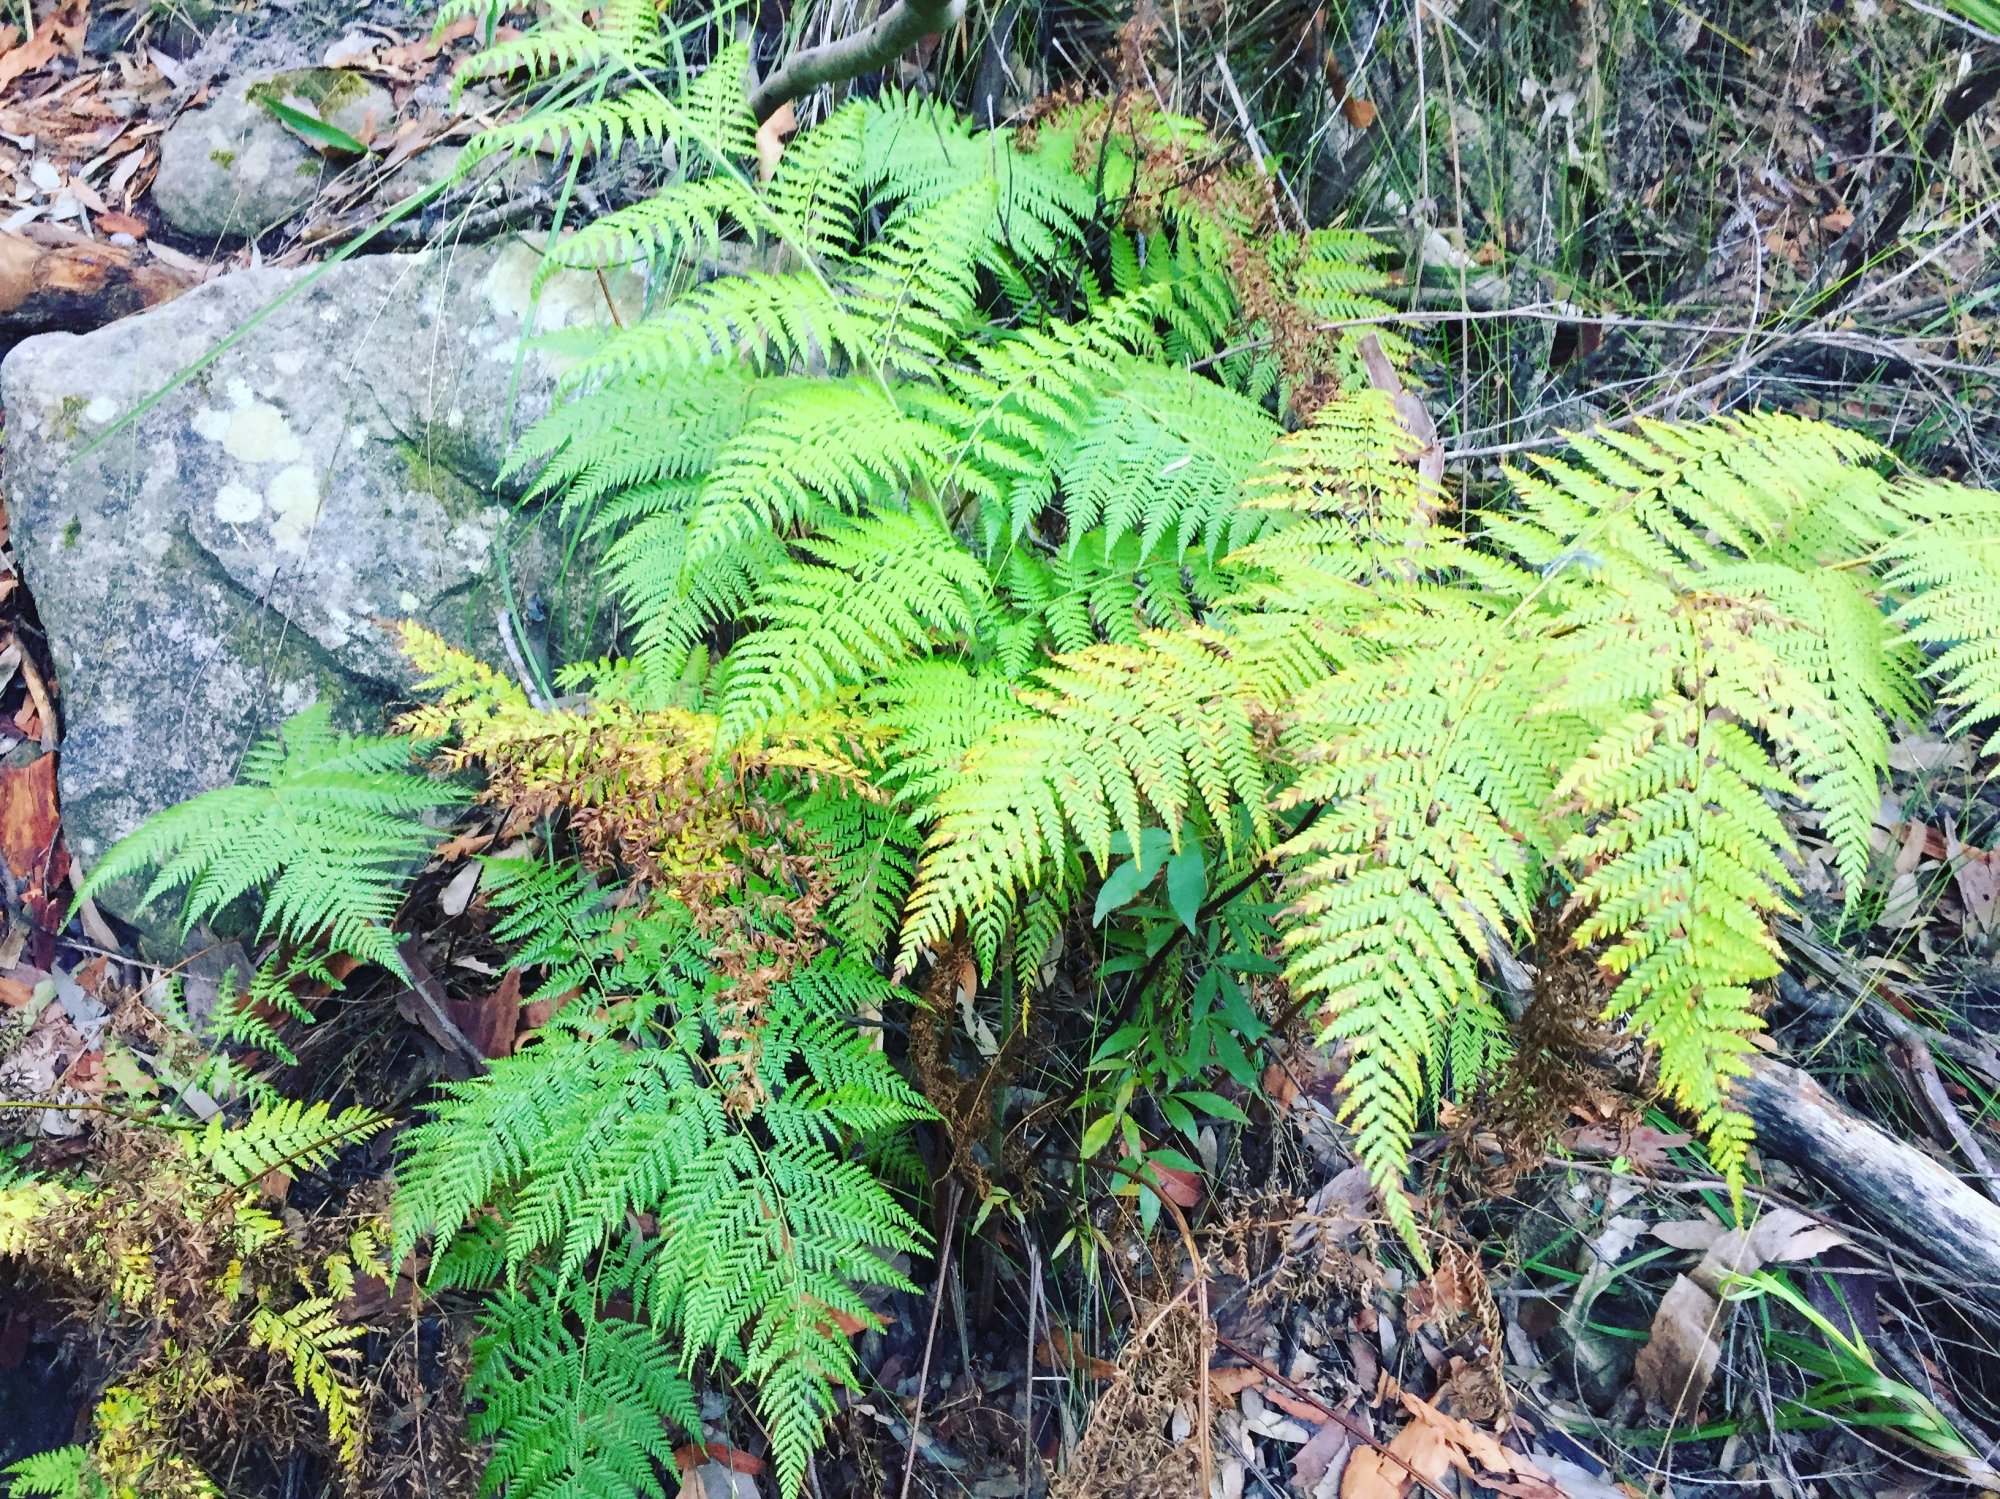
x,y
177,1125
948,1235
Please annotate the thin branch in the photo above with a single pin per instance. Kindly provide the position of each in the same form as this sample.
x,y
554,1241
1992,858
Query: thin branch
x,y
893,33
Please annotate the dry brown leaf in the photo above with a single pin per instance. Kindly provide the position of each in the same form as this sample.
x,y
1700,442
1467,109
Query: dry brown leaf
x,y
454,849
1062,1349
28,821
1781,1235
1326,1447
1182,1188
1689,1233
111,221
1227,1384
491,1020
37,52
1679,1359
1419,1452
1433,1443
1915,838
1306,1410
95,927
733,1458
1279,1087
1642,1145
771,140
1977,875
456,896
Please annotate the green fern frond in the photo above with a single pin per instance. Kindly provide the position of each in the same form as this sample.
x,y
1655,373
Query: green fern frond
x,y
1121,733
637,433
934,711
684,220
1429,782
324,824
917,152
875,592
311,1338
284,1136
764,1233
575,1401
249,1016
1166,456
812,450
816,192
869,852
61,1474
1946,571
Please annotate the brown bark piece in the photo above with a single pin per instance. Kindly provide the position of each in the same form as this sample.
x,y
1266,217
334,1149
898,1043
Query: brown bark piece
x,y
53,280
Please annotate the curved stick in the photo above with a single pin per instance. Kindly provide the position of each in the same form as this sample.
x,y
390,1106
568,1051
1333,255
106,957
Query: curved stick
x,y
892,33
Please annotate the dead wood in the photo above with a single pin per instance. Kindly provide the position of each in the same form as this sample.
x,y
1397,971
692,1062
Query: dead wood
x,y
52,280
1914,1201
868,50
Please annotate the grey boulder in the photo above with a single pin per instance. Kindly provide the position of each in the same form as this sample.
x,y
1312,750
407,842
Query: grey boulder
x,y
242,547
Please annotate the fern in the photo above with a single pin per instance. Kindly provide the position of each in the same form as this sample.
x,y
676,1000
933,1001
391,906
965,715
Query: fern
x,y
61,1474
1946,569
575,1401
324,826
1614,680
765,1226
190,1269
874,592
990,505
284,1136
312,1340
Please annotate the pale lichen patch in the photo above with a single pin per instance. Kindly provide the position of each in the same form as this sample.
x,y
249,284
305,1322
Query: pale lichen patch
x,y
293,495
238,504
259,433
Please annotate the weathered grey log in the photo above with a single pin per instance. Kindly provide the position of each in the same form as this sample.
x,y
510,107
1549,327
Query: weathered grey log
x,y
875,46
1912,1199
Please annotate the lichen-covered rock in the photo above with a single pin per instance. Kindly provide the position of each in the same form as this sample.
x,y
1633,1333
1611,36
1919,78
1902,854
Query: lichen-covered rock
x,y
233,170
240,548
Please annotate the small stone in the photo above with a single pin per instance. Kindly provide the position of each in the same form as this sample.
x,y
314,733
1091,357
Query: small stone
x,y
719,1481
233,170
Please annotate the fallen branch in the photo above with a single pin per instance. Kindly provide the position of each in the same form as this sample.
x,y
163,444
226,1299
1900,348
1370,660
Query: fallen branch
x,y
1930,160
52,280
1917,1203
874,47
1910,1046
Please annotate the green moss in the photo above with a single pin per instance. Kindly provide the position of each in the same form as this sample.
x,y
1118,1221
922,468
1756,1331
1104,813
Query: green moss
x,y
223,159
437,467
72,533
325,89
69,411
